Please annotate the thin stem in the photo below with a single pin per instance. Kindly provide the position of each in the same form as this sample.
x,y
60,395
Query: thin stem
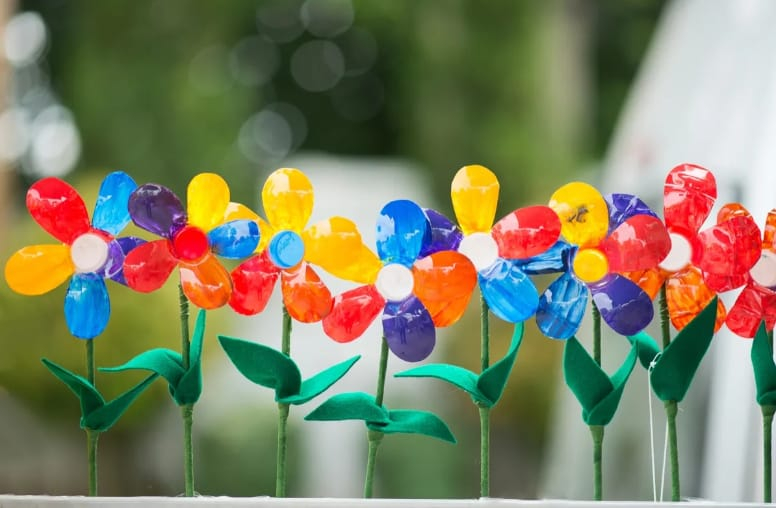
x,y
597,431
90,361
187,410
373,436
184,310
484,410
484,334
91,435
665,322
767,454
283,410
596,334
770,338
671,410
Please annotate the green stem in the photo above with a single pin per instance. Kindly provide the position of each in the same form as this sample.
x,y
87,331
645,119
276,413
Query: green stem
x,y
596,334
484,410
187,410
665,322
283,410
91,435
375,437
671,410
597,431
767,454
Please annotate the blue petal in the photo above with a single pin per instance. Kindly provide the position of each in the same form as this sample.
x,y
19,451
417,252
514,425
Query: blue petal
x,y
625,307
624,206
444,234
402,232
235,239
554,260
111,213
509,292
562,307
408,329
87,307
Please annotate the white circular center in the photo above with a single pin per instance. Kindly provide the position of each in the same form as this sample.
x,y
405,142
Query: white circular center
x,y
480,248
395,282
764,272
680,254
89,253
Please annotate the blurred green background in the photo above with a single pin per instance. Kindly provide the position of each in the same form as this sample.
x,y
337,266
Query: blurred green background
x,y
165,89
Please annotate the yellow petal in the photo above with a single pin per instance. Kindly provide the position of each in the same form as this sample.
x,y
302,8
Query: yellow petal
x,y
474,192
336,246
288,199
583,213
236,211
38,269
207,199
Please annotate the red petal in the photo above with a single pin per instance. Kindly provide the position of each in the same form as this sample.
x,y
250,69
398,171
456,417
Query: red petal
x,y
639,243
731,248
148,266
526,232
305,296
352,313
689,195
252,284
444,282
722,283
754,304
58,208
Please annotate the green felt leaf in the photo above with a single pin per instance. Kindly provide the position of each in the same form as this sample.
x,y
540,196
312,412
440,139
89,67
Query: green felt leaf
x,y
675,369
603,412
87,394
164,362
319,383
408,421
350,406
263,365
764,368
647,348
104,417
492,381
464,379
586,380
189,388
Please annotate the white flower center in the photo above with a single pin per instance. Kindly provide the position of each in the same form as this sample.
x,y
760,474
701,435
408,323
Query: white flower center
x,y
480,248
395,282
764,271
680,254
89,253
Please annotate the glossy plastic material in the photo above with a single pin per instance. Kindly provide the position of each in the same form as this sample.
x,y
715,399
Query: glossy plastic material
x,y
474,193
624,206
508,291
235,211
731,247
38,269
688,197
402,232
444,234
526,232
157,210
207,197
444,282
590,265
687,295
58,208
305,296
235,239
639,242
352,312
253,281
87,306
409,329
624,306
126,244
336,245
287,196
111,213
562,307
149,266
583,214
753,305
286,249
556,259
206,283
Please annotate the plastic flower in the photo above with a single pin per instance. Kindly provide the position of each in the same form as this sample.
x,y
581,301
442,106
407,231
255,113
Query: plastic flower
x,y
89,252
415,293
190,240
496,250
605,239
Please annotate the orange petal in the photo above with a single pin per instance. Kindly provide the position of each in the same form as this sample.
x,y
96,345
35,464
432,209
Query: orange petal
x,y
687,296
769,233
649,280
444,282
38,269
206,284
305,296
730,210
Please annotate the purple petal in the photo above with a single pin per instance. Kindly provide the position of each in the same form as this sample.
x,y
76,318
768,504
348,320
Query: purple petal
x,y
409,329
625,307
624,206
117,251
157,209
444,234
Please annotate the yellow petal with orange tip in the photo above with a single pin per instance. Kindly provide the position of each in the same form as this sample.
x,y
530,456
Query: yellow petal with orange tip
x,y
236,211
335,245
583,214
38,269
206,200
474,193
288,199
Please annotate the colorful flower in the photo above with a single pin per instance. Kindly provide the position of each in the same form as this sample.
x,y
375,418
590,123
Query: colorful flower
x,y
89,254
497,250
190,239
606,238
416,293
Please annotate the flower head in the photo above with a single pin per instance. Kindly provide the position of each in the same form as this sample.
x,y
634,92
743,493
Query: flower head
x,y
89,252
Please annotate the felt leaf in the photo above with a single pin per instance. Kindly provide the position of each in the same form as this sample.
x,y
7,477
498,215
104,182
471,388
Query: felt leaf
x,y
584,377
189,388
409,421
164,362
492,381
350,406
647,348
106,416
464,379
674,370
764,368
319,383
263,365
87,394
604,410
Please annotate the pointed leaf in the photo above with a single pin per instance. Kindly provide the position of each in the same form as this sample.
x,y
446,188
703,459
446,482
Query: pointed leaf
x,y
584,377
350,406
464,379
87,394
408,421
189,388
163,362
319,383
603,412
647,348
103,418
764,368
492,381
263,365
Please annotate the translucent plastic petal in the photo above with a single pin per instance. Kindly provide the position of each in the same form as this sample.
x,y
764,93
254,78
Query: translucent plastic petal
x,y
624,206
510,294
305,296
114,265
562,307
639,243
288,199
444,282
650,280
207,283
87,306
157,209
624,306
769,232
723,283
444,234
688,197
583,214
730,248
335,245
149,266
207,198
526,232
236,211
554,260
474,192
235,239
252,284
38,269
125,245
409,330
730,210
58,208
111,213
754,304
352,312
687,296
402,232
